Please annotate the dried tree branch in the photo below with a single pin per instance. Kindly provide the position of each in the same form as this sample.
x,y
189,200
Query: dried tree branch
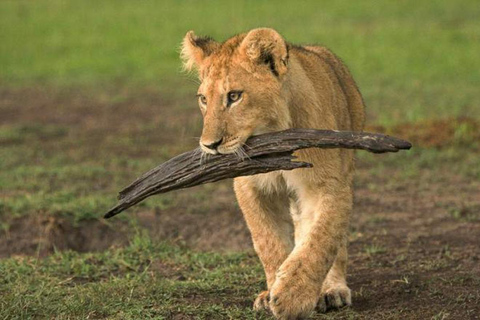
x,y
263,153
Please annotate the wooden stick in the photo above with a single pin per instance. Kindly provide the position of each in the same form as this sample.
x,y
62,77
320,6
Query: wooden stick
x,y
263,153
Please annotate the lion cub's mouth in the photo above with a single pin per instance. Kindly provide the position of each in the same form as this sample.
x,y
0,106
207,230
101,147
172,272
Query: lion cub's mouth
x,y
228,149
229,146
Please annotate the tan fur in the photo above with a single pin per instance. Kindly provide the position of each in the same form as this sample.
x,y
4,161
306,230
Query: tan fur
x,y
298,219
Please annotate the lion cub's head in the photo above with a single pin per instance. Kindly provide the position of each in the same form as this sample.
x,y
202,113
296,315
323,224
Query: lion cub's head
x,y
241,86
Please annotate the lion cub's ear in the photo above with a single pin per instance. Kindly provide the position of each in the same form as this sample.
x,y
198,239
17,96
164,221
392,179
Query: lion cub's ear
x,y
195,49
266,46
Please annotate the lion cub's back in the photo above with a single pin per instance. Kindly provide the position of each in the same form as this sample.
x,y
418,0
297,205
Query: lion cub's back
x,y
353,96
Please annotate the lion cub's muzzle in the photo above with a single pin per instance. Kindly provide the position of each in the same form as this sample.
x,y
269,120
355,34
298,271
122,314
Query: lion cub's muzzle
x,y
211,147
224,145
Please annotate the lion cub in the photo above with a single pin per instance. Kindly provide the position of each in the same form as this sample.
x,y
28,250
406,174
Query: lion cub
x,y
254,83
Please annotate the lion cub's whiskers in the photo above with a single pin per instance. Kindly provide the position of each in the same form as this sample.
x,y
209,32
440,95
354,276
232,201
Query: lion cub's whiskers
x,y
203,158
238,154
243,153
196,152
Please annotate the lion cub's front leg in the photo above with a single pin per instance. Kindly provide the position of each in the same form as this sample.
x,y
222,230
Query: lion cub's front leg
x,y
299,280
268,218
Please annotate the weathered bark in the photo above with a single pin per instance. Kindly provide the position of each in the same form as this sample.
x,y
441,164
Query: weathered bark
x,y
263,153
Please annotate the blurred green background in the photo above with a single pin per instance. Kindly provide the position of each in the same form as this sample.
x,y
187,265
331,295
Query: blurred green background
x,y
412,59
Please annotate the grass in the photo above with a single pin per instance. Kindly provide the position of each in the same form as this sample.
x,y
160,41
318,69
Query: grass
x,y
465,213
142,280
413,60
59,183
374,249
459,160
76,171
161,281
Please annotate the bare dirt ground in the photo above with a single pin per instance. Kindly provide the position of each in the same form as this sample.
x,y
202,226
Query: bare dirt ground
x,y
414,244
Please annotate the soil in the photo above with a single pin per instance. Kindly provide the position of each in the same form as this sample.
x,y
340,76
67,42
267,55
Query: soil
x,y
408,253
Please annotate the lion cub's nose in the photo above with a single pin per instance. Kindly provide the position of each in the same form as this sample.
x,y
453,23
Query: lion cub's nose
x,y
214,145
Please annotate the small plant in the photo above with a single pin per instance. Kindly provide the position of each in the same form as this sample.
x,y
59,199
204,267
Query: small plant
x,y
374,249
464,213
441,316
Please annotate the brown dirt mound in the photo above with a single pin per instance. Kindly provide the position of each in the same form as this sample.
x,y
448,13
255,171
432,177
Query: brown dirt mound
x,y
220,227
41,235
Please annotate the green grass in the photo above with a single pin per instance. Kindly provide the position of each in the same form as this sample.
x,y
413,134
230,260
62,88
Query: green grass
x,y
160,281
458,160
74,178
142,280
38,176
374,249
412,59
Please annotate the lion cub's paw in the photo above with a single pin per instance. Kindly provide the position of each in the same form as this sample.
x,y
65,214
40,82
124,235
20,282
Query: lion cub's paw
x,y
292,302
335,298
261,302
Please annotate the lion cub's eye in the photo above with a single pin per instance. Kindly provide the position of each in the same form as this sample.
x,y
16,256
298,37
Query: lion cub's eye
x,y
202,99
234,96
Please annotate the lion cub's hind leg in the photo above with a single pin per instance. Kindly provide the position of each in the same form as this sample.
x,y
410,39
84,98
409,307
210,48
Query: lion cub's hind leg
x,y
335,292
